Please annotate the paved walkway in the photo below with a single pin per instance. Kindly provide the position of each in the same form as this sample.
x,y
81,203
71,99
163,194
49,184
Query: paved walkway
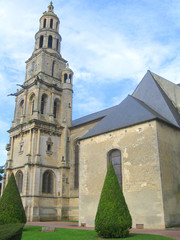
x,y
172,233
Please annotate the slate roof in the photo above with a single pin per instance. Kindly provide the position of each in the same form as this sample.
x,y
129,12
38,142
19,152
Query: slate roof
x,y
148,102
129,112
92,117
150,92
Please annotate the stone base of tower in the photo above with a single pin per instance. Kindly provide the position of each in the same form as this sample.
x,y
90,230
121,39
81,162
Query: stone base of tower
x,y
50,209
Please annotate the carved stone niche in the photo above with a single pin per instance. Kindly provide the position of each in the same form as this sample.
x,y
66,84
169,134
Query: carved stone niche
x,y
49,144
21,147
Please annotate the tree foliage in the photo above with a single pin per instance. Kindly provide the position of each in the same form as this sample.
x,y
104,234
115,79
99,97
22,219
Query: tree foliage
x,y
1,172
113,219
11,208
11,231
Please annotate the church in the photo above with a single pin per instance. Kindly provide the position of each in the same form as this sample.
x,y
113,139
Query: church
x,y
60,164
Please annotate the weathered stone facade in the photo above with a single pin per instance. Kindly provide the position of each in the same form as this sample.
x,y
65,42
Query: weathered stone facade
x,y
39,136
60,164
140,171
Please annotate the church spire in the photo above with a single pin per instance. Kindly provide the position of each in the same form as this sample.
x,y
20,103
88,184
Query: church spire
x,y
48,37
50,7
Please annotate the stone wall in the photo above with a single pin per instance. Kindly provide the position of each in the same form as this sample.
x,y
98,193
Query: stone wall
x,y
140,173
169,151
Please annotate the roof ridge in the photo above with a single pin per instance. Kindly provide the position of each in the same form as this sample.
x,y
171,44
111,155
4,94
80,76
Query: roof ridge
x,y
156,114
169,103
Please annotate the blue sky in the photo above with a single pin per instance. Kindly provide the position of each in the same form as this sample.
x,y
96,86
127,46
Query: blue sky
x,y
109,45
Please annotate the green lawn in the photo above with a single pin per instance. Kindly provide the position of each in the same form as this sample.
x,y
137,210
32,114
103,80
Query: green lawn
x,y
34,233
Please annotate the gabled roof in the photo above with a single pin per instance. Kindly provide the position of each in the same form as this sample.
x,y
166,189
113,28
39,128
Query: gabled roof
x,y
152,94
154,98
129,112
171,90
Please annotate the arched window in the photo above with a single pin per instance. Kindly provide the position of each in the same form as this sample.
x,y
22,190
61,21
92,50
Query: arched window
x,y
50,41
47,183
44,23
19,180
43,103
65,77
76,165
32,101
32,106
56,108
51,23
41,41
21,109
57,44
115,158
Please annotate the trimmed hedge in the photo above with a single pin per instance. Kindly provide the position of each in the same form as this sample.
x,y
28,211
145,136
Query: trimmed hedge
x,y
11,208
113,219
11,231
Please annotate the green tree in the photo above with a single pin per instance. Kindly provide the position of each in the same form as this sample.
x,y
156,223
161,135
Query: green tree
x,y
1,172
113,219
1,176
11,208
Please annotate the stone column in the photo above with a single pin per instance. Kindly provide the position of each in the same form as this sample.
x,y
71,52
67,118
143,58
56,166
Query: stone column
x,y
26,180
51,115
37,105
25,104
30,146
37,158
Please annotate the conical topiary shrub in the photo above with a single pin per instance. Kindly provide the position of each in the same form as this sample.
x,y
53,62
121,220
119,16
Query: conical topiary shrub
x,y
11,208
113,219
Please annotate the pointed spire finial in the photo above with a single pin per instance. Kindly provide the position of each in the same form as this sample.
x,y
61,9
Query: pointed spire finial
x,y
50,7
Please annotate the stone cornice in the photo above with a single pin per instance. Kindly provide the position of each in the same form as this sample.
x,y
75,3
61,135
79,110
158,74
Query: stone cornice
x,y
36,80
38,165
56,55
36,124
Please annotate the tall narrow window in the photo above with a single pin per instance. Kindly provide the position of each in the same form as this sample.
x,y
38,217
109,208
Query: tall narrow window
x,y
32,101
21,109
57,44
65,77
41,41
53,67
55,109
32,107
43,102
76,166
47,183
19,180
42,105
115,158
44,24
50,41
51,23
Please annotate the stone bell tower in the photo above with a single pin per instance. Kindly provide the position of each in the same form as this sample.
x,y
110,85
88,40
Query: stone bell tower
x,y
39,136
